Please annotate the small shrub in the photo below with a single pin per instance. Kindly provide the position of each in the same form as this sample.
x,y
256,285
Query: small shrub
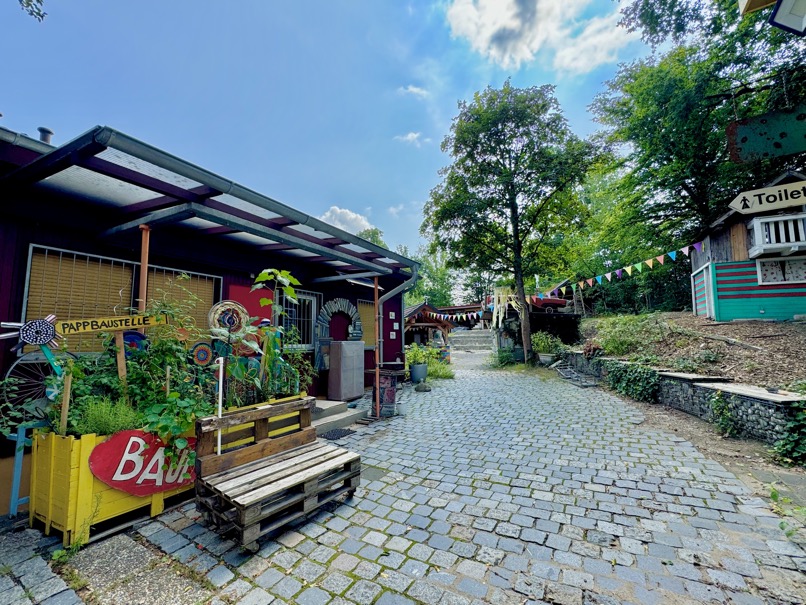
x,y
633,380
502,358
624,334
439,369
103,416
686,364
646,359
792,448
543,342
722,414
709,356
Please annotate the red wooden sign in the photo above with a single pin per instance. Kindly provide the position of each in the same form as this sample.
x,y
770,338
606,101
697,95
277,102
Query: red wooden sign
x,y
134,461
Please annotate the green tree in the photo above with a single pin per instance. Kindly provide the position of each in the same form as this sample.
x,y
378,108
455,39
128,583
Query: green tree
x,y
35,8
436,279
373,235
509,186
670,113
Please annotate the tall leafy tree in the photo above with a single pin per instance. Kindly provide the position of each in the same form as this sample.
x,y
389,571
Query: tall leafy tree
x,y
436,281
509,186
671,113
373,235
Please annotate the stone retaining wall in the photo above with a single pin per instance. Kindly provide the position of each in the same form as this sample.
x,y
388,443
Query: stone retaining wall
x,y
758,413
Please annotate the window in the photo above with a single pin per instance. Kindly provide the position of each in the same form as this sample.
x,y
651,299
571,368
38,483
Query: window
x,y
780,270
73,285
366,311
299,318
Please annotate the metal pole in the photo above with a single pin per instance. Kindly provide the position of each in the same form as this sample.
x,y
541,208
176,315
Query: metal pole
x,y
377,354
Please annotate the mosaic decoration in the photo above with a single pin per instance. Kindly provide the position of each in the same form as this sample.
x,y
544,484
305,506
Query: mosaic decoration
x,y
41,332
202,354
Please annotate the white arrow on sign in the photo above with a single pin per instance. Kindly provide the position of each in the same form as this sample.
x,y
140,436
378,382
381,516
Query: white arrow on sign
x,y
770,198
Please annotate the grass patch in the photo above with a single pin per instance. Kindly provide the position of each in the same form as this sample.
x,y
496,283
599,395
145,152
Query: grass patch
x,y
439,369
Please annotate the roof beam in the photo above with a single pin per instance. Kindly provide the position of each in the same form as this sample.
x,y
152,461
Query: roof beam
x,y
249,226
55,161
167,215
166,201
133,177
319,280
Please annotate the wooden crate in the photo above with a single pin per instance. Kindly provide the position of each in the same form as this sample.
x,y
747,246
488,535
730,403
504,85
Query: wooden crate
x,y
255,489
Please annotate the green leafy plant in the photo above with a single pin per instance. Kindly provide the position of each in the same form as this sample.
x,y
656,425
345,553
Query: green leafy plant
x,y
792,447
103,416
502,358
419,354
623,334
686,364
543,342
781,506
633,380
722,414
439,369
274,279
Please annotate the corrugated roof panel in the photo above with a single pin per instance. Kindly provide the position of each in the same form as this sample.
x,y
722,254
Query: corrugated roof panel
x,y
143,167
231,200
97,187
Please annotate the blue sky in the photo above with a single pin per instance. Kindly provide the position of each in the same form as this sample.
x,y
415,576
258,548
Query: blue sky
x,y
336,107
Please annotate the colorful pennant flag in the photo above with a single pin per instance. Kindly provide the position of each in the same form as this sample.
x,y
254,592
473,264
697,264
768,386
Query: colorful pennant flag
x,y
590,281
659,259
698,246
574,287
650,262
563,290
599,278
628,270
609,276
672,254
581,285
619,272
685,250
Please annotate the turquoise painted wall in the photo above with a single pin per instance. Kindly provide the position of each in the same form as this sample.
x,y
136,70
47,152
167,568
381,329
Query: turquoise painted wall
x,y
739,296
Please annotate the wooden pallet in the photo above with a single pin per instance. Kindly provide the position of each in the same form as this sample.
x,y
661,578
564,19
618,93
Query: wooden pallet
x,y
256,488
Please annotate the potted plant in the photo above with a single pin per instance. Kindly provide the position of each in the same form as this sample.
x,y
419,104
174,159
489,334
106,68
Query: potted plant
x,y
417,359
547,346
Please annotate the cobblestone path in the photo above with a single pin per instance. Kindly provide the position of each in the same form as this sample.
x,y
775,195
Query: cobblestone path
x,y
500,487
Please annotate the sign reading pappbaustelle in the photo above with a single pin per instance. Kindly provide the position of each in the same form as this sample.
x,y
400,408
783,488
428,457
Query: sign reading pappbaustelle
x,y
108,324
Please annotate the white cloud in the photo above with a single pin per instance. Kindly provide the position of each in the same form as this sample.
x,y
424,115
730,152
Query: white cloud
x,y
412,138
396,210
413,90
598,44
343,218
512,32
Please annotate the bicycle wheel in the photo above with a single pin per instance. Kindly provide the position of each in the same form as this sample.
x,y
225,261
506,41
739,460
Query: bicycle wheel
x,y
28,378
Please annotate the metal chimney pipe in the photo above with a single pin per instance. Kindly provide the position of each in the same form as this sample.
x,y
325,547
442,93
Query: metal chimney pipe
x,y
45,134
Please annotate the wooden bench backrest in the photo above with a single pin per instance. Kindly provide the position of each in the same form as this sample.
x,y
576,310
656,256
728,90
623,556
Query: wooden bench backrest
x,y
253,427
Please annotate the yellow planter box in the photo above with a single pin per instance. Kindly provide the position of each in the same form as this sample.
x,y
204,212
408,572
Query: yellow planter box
x,y
66,496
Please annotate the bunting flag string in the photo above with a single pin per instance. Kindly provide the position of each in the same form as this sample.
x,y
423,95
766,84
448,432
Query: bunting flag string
x,y
650,262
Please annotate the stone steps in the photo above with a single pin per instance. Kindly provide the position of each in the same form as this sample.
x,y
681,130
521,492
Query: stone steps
x,y
331,415
471,340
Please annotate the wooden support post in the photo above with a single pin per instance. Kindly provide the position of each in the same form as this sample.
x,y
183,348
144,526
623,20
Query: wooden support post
x,y
120,357
378,320
145,236
68,385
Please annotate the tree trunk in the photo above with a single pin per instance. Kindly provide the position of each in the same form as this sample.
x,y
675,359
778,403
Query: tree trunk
x,y
526,328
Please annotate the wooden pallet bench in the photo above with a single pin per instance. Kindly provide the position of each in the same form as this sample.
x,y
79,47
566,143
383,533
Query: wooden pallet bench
x,y
271,470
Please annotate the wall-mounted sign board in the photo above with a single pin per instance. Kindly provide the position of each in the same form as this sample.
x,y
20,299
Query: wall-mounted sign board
x,y
770,198
108,324
774,134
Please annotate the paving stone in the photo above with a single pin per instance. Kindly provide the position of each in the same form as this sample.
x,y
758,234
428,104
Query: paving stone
x,y
424,592
257,596
308,571
66,597
287,587
363,592
367,570
269,578
236,590
219,575
727,579
563,595
394,580
313,596
390,598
